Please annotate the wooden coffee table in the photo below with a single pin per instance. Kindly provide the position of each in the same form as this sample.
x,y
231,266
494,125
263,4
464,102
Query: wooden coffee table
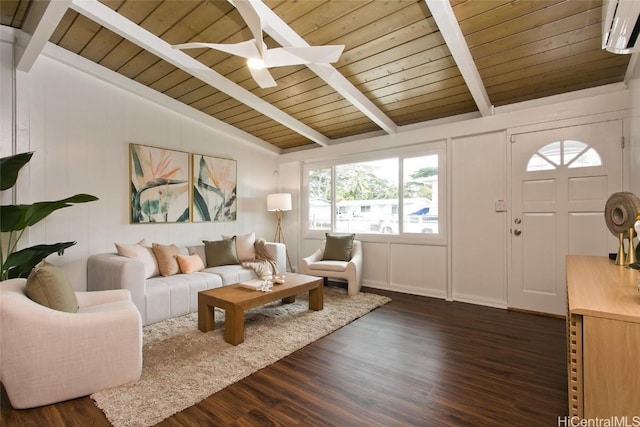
x,y
234,300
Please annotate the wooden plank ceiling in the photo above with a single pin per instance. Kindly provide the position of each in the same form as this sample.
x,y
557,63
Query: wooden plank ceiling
x,y
395,55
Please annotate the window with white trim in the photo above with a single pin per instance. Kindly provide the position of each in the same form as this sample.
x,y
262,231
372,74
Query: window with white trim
x,y
391,195
567,153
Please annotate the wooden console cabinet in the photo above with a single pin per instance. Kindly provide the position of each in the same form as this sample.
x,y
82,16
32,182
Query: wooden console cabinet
x,y
603,334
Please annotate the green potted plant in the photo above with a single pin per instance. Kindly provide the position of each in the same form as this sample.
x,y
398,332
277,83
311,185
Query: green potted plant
x,y
14,220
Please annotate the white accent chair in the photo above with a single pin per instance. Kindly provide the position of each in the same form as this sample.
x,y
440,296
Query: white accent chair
x,y
349,270
47,356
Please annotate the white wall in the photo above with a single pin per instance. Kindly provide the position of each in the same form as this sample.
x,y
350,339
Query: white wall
x,y
6,92
634,137
289,178
471,263
479,233
80,126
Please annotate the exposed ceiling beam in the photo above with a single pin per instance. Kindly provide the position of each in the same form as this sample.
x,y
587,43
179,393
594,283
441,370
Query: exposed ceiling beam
x,y
287,37
41,21
450,29
120,25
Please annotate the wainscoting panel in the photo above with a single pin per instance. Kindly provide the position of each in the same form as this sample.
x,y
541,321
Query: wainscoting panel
x,y
375,264
418,269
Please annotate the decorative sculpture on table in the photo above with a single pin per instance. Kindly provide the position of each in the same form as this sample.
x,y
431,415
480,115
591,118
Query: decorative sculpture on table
x,y
620,214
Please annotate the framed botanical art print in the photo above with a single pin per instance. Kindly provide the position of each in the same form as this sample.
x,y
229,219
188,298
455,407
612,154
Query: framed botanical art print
x,y
214,189
159,185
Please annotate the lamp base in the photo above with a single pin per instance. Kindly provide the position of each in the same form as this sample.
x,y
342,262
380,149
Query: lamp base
x,y
279,237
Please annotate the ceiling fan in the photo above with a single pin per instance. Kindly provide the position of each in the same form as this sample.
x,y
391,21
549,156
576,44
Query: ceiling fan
x,y
259,58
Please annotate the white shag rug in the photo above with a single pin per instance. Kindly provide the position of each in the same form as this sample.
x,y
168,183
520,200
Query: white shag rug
x,y
182,366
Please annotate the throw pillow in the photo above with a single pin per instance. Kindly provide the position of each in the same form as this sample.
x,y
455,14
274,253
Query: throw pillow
x,y
142,252
190,263
221,252
48,286
245,248
167,256
338,247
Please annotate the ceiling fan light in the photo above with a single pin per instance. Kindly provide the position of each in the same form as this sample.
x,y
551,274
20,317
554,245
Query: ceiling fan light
x,y
255,63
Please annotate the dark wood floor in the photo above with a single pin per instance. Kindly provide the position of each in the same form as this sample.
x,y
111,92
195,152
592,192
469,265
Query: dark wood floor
x,y
415,361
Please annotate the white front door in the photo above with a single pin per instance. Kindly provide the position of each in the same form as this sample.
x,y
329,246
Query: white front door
x,y
560,182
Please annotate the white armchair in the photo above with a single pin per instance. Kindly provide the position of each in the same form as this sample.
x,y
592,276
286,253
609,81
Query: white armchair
x,y
47,356
349,270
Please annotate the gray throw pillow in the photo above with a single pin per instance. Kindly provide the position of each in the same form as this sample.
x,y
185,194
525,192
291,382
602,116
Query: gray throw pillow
x,y
221,252
48,286
338,247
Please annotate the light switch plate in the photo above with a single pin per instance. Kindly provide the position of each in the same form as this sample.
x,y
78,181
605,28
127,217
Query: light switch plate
x,y
501,206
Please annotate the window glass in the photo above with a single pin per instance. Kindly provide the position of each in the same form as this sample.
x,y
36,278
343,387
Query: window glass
x,y
420,194
319,199
572,154
537,163
571,150
394,195
365,195
552,152
587,159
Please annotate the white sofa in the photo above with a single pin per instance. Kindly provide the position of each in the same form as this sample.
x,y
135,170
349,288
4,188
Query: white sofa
x,y
159,298
47,356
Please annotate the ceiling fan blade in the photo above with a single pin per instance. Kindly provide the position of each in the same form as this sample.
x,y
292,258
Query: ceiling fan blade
x,y
246,49
281,56
253,21
262,76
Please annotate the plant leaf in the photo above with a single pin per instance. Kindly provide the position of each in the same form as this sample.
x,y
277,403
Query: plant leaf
x,y
9,216
200,205
136,214
20,263
184,217
9,168
32,214
137,165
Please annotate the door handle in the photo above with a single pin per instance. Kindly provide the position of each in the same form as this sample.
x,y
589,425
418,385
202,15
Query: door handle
x,y
517,232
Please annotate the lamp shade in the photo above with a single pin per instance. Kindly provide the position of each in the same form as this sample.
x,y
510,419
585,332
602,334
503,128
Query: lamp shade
x,y
279,202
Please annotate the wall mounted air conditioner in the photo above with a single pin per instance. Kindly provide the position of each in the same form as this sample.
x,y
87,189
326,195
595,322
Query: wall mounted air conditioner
x,y
621,25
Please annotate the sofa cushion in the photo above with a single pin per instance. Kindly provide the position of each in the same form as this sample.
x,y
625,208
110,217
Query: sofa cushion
x,y
48,286
190,263
221,252
245,246
338,247
167,256
231,274
337,266
176,295
142,252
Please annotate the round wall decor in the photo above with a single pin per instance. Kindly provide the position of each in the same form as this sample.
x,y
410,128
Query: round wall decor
x,y
620,212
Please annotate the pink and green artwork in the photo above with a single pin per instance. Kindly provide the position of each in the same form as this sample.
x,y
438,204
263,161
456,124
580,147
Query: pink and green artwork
x,y
214,189
159,185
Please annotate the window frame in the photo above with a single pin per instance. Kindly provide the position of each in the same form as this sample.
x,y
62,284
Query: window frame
x,y
562,163
427,149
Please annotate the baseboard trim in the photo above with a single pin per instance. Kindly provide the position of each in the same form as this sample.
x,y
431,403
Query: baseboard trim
x,y
537,313
487,302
